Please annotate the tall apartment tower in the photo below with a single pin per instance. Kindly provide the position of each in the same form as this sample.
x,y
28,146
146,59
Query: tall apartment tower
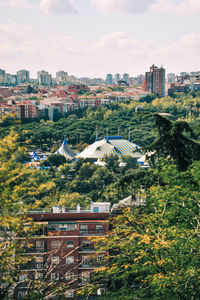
x,y
23,76
2,76
155,81
109,79
44,78
62,78
117,78
126,77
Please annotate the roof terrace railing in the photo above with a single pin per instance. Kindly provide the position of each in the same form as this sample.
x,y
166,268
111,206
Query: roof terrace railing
x,y
71,211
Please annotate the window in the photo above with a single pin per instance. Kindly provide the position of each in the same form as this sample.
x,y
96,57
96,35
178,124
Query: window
x,y
99,227
96,209
55,276
22,277
55,260
70,260
70,244
86,260
100,259
84,228
85,277
87,245
39,259
39,262
38,275
69,276
39,244
69,294
63,226
55,244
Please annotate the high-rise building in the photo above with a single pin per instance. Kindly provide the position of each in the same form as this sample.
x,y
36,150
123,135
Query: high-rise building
x,y
44,78
62,78
171,78
23,76
125,77
140,78
10,79
155,81
109,79
2,76
117,78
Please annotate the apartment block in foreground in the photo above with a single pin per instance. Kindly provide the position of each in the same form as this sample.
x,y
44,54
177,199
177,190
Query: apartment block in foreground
x,y
61,250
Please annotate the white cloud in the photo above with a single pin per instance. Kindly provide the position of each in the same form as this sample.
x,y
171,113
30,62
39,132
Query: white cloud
x,y
58,6
119,42
169,6
116,52
14,3
128,6
139,6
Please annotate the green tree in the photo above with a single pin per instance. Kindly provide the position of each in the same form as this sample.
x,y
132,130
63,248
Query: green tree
x,y
154,249
21,189
172,141
55,160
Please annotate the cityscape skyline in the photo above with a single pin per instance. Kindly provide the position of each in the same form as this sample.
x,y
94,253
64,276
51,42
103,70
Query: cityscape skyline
x,y
93,38
66,73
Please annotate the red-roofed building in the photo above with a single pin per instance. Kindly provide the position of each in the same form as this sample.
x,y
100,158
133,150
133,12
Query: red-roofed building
x,y
75,89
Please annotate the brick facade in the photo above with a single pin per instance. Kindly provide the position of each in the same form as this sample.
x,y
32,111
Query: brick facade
x,y
61,250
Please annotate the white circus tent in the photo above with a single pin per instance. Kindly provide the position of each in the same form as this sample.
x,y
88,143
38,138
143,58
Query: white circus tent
x,y
66,151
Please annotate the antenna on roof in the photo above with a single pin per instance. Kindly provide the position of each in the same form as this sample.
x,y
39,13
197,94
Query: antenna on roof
x,y
118,130
129,134
97,133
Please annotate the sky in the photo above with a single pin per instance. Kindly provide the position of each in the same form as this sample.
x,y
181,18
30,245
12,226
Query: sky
x,y
90,38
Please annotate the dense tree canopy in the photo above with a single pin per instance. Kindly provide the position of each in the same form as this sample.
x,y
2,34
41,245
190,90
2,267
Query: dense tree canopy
x,y
154,249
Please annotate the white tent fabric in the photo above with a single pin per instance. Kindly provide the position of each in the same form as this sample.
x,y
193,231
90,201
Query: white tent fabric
x,y
110,146
66,151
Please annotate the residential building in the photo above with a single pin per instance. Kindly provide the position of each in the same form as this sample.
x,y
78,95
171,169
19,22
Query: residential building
x,y
10,79
78,88
2,76
52,112
61,248
117,78
8,109
62,78
155,81
27,110
109,79
5,92
23,76
125,77
44,78
140,78
171,78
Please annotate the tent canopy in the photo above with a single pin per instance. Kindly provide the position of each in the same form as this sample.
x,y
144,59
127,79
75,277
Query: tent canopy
x,y
110,146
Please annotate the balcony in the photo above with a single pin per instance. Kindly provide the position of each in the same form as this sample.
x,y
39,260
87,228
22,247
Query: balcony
x,y
91,264
40,231
92,232
87,248
35,250
43,230
33,266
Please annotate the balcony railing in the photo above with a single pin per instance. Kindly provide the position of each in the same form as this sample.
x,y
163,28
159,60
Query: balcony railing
x,y
92,232
91,264
33,266
87,248
35,250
